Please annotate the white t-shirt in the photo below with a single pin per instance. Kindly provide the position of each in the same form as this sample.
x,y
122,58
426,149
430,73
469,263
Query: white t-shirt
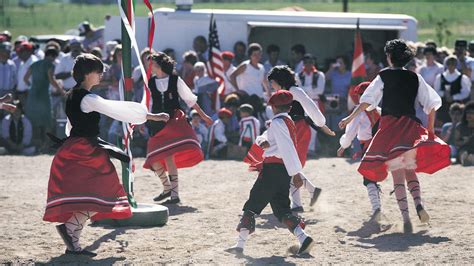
x,y
429,73
66,64
251,80
229,88
22,69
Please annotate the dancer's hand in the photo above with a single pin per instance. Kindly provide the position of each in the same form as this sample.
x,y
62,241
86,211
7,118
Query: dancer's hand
x,y
297,180
158,117
344,122
340,152
264,145
328,131
8,107
207,120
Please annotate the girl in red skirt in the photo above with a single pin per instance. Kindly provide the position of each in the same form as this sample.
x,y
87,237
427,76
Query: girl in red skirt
x,y
283,78
83,182
173,144
402,145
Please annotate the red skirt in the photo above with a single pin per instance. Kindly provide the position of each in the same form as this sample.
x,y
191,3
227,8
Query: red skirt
x,y
83,178
303,138
397,136
176,139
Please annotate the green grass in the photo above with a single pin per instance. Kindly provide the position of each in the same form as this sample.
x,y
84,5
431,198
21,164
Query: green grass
x,y
56,18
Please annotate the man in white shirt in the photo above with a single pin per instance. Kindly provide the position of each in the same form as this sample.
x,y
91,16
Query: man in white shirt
x,y
281,163
452,86
273,53
430,69
25,54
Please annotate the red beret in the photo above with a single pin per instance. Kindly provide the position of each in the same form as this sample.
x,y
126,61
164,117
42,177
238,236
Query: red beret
x,y
281,97
359,89
25,46
224,112
227,55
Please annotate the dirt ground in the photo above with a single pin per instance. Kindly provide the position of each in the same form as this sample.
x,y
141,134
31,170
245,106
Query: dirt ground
x,y
212,195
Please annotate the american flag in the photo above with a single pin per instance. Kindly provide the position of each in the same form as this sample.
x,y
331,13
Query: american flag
x,y
215,66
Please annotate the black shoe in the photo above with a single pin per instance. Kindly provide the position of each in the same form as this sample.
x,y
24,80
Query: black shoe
x,y
297,209
422,214
62,230
306,247
317,192
82,252
172,201
162,196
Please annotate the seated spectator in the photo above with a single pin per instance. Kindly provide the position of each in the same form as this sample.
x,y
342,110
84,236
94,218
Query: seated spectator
x,y
464,136
217,147
452,86
205,88
17,133
227,57
249,126
186,72
273,54
447,131
202,133
232,103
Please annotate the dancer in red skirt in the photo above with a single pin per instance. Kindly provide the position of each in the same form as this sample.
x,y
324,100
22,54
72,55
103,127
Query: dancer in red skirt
x,y
402,145
283,78
83,182
173,144
363,126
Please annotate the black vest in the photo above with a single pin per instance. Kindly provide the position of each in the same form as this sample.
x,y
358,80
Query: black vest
x,y
314,81
297,112
455,84
399,92
16,130
165,102
83,124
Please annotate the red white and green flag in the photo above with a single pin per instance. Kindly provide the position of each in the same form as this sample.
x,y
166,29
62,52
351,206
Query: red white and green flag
x,y
358,63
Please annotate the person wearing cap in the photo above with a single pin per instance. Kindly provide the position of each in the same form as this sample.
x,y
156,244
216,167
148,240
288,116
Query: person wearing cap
x,y
464,61
306,114
280,164
7,35
273,54
17,133
452,86
227,57
38,109
27,58
218,132
363,127
402,145
202,133
430,68
249,126
8,70
93,37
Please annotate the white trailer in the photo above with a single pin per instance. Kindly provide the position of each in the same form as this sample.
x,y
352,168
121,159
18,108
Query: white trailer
x,y
324,34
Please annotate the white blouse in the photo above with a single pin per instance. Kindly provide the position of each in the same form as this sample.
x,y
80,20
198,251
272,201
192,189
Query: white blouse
x,y
427,96
125,111
360,127
450,77
310,108
184,91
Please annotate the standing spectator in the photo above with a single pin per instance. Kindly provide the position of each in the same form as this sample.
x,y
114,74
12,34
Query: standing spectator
x,y
17,133
448,129
138,83
25,54
297,53
200,46
340,78
38,109
464,61
187,70
239,51
63,72
250,75
273,53
227,57
14,55
372,67
464,136
8,74
205,87
93,37
452,86
430,69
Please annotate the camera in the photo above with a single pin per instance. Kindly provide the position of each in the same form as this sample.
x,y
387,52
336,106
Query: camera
x,y
333,103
